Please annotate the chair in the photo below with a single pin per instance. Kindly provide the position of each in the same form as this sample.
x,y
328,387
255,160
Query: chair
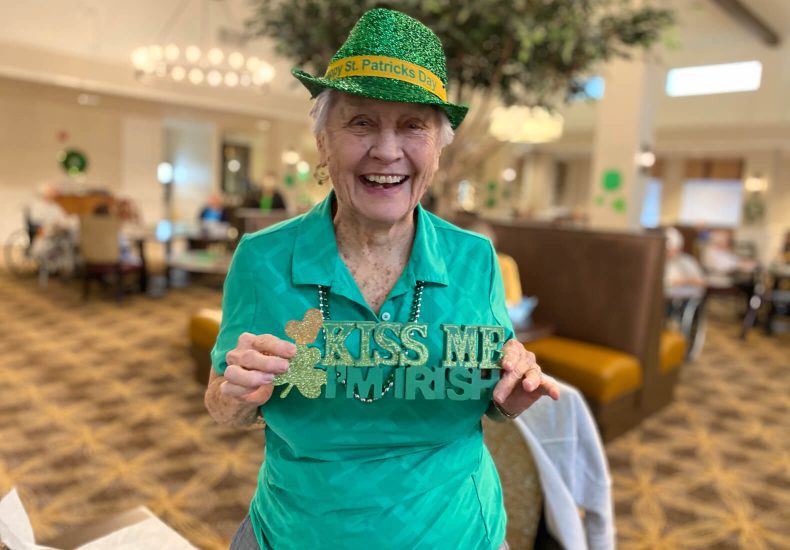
x,y
552,467
772,290
101,254
203,330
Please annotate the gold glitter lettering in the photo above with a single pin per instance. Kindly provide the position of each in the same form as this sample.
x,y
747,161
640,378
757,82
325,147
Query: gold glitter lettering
x,y
491,338
336,352
410,344
460,348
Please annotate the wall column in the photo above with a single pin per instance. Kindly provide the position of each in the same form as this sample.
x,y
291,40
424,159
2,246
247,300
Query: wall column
x,y
624,126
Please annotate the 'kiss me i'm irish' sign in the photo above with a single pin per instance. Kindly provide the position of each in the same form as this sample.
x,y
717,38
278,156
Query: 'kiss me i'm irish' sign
x,y
469,366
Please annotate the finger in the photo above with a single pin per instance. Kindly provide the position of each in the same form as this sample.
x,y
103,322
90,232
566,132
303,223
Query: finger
x,y
507,383
250,379
271,345
512,351
547,387
532,378
255,360
245,340
551,388
233,390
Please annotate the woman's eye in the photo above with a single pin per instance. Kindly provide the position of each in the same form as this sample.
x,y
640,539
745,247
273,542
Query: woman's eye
x,y
361,122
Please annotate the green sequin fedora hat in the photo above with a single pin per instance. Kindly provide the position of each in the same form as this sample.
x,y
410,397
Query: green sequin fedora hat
x,y
389,56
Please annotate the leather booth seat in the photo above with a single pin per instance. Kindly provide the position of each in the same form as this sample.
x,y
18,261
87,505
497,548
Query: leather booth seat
x,y
600,372
203,330
603,293
672,350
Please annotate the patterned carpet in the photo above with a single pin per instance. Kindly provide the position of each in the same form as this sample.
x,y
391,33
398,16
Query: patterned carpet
x,y
99,413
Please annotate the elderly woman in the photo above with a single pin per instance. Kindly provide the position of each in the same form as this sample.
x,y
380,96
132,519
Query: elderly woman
x,y
354,469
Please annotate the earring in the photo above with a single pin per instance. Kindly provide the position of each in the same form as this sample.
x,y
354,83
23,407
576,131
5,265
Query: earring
x,y
321,174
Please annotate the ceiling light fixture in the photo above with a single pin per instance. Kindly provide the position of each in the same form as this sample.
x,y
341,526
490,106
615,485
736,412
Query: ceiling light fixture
x,y
521,124
209,65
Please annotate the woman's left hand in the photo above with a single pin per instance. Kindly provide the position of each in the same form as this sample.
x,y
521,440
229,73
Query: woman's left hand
x,y
522,382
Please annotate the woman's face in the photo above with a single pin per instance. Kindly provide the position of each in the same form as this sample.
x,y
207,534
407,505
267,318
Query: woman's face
x,y
381,156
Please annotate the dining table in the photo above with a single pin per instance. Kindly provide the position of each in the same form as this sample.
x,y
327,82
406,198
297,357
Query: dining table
x,y
167,233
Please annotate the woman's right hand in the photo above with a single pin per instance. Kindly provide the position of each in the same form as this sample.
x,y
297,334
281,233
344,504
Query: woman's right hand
x,y
252,365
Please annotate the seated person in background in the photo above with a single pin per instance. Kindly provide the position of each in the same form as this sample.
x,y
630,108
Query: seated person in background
x,y
214,211
680,269
55,240
214,223
685,290
722,263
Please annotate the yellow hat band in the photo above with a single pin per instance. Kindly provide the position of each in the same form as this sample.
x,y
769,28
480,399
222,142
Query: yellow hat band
x,y
387,67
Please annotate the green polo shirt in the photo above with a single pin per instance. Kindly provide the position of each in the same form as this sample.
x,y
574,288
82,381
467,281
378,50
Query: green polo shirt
x,y
395,473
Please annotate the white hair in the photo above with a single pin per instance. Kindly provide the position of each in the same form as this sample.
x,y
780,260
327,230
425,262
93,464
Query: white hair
x,y
674,238
323,101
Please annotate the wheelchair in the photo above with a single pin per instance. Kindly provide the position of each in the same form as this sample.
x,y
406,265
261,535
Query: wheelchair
x,y
18,250
686,310
23,260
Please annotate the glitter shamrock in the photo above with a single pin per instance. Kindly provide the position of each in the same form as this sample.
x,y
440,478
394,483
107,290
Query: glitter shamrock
x,y
302,371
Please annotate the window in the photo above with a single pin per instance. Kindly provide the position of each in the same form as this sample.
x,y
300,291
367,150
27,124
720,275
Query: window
x,y
594,89
651,206
711,202
714,79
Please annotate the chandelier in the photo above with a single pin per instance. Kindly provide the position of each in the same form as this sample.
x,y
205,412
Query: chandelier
x,y
210,66
520,124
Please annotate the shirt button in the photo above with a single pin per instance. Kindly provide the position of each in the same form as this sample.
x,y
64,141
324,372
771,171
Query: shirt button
x,y
385,316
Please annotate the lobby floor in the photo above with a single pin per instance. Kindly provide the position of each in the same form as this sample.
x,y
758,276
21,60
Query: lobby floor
x,y
99,413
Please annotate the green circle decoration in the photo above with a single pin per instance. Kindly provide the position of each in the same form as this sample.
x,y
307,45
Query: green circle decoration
x,y
618,205
73,161
612,180
289,180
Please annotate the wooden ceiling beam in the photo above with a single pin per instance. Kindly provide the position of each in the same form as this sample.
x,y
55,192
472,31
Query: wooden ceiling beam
x,y
749,20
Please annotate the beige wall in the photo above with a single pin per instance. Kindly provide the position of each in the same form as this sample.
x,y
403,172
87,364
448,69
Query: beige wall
x,y
193,148
29,145
124,139
766,106
142,150
768,234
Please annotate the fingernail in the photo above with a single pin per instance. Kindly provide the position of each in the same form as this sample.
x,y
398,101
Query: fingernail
x,y
283,365
266,378
292,349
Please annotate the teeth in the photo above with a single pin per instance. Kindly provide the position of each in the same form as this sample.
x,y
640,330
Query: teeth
x,y
385,179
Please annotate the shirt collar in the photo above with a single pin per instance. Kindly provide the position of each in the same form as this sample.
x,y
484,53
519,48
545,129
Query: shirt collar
x,y
315,249
315,256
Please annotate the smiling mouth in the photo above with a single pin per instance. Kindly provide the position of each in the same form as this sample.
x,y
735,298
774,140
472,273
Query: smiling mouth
x,y
382,180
